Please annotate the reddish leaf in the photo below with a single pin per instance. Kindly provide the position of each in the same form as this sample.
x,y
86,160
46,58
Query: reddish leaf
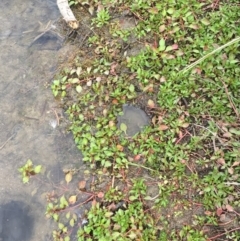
x,y
115,102
221,161
137,157
174,46
208,213
197,71
219,211
113,68
100,195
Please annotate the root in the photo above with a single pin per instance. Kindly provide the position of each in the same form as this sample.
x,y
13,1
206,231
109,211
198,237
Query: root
x,y
67,13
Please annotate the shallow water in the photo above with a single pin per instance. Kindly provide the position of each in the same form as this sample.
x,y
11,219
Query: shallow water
x,y
29,116
134,118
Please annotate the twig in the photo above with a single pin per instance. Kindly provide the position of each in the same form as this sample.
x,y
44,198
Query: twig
x,y
113,180
78,205
152,198
47,28
214,136
229,98
56,117
219,235
232,183
31,118
138,165
209,54
1,147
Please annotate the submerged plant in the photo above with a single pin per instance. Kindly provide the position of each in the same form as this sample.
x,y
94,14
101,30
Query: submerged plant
x,y
29,170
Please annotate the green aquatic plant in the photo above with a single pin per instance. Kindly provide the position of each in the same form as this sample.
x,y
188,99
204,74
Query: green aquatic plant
x,y
29,170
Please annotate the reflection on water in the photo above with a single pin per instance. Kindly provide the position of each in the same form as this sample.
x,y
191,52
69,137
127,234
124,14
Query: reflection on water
x,y
15,222
29,50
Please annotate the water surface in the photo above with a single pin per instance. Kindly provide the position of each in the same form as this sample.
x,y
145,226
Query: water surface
x,y
29,116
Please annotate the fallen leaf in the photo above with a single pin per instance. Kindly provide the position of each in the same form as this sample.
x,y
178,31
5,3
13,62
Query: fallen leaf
x,y
120,148
79,88
89,83
89,69
237,163
154,120
227,135
137,157
111,124
68,177
230,170
229,208
162,79
180,135
98,79
113,68
112,207
100,195
208,213
150,104
123,127
162,28
219,211
79,70
193,26
163,127
72,199
105,112
221,161
170,56
82,185
91,10
185,125
115,102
